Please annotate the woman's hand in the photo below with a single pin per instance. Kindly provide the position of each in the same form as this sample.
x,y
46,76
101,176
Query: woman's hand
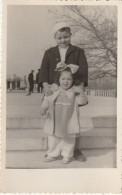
x,y
48,91
54,87
60,66
43,111
78,89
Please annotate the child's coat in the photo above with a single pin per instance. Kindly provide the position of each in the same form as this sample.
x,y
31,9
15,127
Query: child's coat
x,y
73,126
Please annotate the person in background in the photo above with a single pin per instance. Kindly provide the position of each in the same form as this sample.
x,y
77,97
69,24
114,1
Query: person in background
x,y
13,85
31,82
8,84
67,53
37,82
24,82
18,83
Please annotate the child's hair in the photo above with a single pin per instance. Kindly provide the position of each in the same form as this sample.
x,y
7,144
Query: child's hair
x,y
76,81
66,29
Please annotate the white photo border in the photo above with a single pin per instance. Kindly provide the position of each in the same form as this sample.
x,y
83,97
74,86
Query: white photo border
x,y
108,180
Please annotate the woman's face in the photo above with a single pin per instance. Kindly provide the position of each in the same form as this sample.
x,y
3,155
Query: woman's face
x,y
66,80
63,39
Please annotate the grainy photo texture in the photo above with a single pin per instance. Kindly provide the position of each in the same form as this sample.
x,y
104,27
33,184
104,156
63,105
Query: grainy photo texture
x,y
61,86
61,96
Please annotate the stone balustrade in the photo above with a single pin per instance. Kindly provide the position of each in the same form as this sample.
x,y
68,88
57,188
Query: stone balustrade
x,y
105,93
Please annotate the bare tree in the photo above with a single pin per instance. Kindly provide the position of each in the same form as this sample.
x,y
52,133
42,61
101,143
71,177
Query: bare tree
x,y
95,30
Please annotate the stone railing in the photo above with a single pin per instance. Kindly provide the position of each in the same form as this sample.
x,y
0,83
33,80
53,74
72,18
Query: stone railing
x,y
105,93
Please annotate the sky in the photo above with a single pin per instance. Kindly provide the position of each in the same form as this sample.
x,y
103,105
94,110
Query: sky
x,y
29,34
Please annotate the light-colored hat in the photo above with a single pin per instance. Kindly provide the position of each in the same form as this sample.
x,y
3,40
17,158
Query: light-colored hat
x,y
59,26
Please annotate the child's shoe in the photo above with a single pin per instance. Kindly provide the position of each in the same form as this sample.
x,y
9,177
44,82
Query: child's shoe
x,y
49,159
66,160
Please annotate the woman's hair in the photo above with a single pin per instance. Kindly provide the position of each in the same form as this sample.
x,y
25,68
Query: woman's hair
x,y
76,81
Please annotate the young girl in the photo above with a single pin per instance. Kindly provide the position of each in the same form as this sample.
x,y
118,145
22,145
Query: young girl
x,y
62,121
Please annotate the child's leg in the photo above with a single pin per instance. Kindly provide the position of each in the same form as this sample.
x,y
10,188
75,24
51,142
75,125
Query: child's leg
x,y
54,146
67,146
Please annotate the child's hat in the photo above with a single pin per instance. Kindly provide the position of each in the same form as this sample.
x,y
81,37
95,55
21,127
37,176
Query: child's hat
x,y
59,26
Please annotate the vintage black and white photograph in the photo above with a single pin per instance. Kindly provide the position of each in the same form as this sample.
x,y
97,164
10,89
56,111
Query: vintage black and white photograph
x,y
61,86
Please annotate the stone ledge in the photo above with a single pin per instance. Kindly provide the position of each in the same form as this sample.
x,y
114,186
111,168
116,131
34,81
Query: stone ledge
x,y
34,122
38,133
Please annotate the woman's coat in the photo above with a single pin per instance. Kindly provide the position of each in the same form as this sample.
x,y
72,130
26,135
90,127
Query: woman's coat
x,y
74,55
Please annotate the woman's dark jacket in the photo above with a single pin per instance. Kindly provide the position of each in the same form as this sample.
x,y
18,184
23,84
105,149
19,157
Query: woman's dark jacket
x,y
74,55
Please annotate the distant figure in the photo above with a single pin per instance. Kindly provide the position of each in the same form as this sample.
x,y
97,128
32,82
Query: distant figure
x,y
8,82
8,85
18,82
31,82
37,81
13,85
23,83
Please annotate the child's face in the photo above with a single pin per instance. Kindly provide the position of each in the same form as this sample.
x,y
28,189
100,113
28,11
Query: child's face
x,y
63,38
66,80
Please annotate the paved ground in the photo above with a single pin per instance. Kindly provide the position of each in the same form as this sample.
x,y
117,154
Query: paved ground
x,y
96,158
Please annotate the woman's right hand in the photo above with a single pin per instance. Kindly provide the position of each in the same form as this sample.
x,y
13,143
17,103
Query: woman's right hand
x,y
48,91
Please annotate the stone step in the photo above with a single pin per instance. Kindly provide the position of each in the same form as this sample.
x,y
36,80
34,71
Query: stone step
x,y
96,142
31,122
41,143
26,144
96,158
38,133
